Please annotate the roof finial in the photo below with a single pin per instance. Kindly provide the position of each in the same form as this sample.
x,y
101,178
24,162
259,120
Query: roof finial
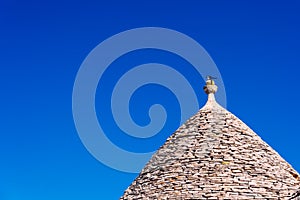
x,y
210,87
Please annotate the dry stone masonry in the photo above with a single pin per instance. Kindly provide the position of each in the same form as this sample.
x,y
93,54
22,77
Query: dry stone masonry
x,y
214,155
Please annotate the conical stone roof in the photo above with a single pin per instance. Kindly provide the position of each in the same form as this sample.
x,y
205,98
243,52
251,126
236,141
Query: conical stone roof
x,y
214,155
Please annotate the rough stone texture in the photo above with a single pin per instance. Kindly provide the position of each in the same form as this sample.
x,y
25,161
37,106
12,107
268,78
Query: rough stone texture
x,y
214,155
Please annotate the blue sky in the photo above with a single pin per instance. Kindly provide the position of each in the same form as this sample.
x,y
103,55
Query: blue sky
x,y
42,45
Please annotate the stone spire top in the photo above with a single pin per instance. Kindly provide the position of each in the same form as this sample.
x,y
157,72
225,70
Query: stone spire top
x,y
214,155
210,87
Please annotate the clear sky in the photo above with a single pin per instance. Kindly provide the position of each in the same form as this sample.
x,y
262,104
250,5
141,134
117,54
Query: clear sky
x,y
255,46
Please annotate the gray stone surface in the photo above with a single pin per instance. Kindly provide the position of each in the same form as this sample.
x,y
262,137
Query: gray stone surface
x,y
214,155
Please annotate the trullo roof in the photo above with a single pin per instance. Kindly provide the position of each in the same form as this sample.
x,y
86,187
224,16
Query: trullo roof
x,y
214,155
